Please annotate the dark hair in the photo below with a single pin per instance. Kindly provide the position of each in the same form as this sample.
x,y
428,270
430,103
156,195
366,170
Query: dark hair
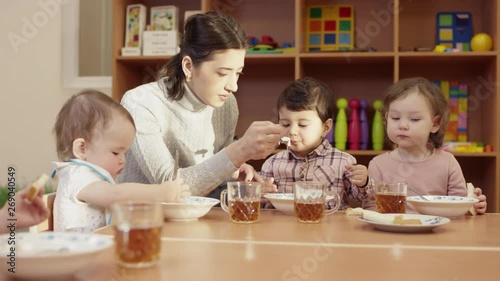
x,y
307,94
432,94
79,117
204,35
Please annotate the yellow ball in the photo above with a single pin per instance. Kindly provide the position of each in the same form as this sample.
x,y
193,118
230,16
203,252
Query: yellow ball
x,y
481,42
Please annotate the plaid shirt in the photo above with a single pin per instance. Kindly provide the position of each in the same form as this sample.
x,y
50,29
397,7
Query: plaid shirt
x,y
324,164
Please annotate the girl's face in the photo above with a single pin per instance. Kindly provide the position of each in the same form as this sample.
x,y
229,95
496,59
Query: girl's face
x,y
410,121
305,129
213,81
107,148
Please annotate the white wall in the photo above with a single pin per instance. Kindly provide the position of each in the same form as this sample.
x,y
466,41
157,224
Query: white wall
x,y
31,86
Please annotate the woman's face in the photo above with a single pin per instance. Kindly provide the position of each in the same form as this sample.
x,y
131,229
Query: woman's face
x,y
213,81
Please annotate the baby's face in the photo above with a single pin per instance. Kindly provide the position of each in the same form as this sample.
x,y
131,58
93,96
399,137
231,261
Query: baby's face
x,y
304,128
107,148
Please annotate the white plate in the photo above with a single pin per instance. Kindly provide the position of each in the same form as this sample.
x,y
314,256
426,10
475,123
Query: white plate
x,y
192,208
428,223
51,255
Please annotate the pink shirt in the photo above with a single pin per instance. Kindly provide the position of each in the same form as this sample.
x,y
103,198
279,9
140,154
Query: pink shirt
x,y
324,164
440,174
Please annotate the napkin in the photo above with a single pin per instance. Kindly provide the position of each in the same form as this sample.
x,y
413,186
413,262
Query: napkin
x,y
472,194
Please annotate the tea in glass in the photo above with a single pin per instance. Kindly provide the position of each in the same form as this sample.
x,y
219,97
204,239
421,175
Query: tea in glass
x,y
243,201
310,200
137,231
244,211
390,197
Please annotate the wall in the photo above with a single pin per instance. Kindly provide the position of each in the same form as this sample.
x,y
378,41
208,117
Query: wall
x,y
32,91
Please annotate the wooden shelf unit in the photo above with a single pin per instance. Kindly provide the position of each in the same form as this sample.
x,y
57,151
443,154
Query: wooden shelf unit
x,y
387,26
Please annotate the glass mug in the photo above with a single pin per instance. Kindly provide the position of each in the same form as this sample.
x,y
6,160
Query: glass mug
x,y
390,197
243,201
137,231
309,200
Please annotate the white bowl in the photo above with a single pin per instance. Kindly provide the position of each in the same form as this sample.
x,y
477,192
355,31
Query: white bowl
x,y
282,202
50,255
192,208
444,206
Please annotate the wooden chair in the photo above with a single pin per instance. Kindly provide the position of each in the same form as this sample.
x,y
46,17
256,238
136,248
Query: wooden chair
x,y
48,224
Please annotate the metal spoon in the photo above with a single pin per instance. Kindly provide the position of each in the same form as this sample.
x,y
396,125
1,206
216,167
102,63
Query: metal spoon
x,y
418,194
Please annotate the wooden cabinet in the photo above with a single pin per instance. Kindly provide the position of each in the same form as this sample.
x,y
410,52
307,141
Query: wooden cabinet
x,y
391,27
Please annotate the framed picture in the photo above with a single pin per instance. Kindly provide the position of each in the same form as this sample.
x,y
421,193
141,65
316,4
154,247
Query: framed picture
x,y
134,25
164,18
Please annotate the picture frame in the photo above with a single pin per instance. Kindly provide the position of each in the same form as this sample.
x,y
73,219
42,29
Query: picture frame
x,y
164,18
135,23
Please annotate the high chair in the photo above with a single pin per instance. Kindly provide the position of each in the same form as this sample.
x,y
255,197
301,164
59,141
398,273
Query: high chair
x,y
48,224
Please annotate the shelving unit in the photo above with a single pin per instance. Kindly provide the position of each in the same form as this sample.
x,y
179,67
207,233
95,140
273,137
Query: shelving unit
x,y
390,27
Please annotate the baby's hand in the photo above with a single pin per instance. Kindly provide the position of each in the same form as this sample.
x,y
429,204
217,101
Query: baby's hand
x,y
176,190
481,205
358,174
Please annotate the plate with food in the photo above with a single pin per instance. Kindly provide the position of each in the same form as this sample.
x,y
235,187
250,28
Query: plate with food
x,y
399,222
406,222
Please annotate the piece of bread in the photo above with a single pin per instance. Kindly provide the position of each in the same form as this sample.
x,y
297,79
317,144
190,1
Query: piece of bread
x,y
35,186
401,220
472,194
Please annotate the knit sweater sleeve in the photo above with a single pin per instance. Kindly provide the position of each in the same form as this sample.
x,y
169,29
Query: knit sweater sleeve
x,y
150,159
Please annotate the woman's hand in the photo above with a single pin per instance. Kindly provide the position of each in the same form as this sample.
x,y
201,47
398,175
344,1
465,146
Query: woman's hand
x,y
28,213
248,173
258,142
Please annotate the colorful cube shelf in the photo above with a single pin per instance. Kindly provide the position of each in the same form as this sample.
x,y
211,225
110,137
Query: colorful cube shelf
x,y
330,28
454,30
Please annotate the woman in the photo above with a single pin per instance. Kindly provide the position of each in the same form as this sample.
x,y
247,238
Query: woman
x,y
191,110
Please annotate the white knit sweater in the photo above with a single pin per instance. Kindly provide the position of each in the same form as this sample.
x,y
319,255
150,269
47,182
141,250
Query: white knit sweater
x,y
197,131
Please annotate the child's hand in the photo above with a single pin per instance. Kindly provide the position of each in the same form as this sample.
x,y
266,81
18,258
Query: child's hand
x,y
176,190
481,205
268,186
358,174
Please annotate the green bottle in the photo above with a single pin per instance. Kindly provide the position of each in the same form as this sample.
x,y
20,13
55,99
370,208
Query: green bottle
x,y
378,130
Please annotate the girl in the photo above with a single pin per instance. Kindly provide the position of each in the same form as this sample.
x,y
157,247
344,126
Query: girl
x,y
93,132
416,115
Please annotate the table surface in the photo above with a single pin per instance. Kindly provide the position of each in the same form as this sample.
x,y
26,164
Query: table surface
x,y
277,247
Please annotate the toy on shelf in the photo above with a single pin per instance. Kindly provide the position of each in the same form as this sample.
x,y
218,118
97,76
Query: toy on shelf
x,y
363,144
265,46
354,132
454,30
341,125
378,126
330,28
288,48
457,96
481,42
466,147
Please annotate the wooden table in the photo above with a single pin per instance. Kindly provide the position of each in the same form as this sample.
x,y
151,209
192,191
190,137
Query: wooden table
x,y
340,248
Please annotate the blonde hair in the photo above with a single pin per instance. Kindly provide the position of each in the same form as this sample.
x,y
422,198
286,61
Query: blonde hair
x,y
80,116
432,94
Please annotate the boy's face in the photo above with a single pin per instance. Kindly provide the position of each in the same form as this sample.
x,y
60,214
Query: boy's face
x,y
305,129
107,148
410,121
213,81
